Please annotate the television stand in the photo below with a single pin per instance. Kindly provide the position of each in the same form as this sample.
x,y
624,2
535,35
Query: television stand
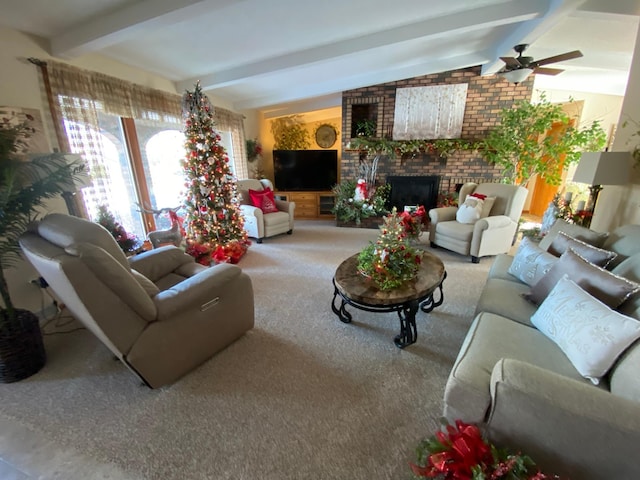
x,y
310,204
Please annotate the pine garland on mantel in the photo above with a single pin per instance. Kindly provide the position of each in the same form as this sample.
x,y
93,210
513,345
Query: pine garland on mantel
x,y
441,147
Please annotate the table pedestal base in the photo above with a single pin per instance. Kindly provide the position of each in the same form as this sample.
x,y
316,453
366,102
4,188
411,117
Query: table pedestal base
x,y
406,313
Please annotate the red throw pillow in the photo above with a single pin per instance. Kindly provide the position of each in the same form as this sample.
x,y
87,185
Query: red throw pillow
x,y
264,200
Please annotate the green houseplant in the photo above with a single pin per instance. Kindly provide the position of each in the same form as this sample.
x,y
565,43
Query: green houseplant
x,y
290,133
24,187
519,144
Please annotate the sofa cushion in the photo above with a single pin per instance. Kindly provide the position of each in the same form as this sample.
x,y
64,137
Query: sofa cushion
x,y
531,263
275,219
595,255
625,241
576,231
623,377
591,334
492,337
506,298
500,267
148,286
607,287
115,277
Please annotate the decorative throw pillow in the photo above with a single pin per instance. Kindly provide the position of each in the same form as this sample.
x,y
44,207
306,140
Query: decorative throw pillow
x,y
264,200
469,212
595,255
610,289
589,333
576,231
531,263
488,205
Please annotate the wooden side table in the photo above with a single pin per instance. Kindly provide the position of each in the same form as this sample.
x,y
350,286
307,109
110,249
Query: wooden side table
x,y
360,292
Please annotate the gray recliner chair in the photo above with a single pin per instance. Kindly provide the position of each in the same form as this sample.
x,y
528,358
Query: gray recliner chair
x,y
159,312
491,235
261,225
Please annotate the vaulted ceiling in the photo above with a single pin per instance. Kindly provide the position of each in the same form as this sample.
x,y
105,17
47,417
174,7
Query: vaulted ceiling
x,y
266,54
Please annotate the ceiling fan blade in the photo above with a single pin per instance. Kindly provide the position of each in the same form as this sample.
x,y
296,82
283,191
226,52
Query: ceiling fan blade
x,y
547,71
559,58
511,62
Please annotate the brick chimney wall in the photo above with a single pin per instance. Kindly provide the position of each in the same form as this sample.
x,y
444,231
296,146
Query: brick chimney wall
x,y
486,97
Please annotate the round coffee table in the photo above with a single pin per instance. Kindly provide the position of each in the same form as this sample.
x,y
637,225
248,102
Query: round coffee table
x,y
360,292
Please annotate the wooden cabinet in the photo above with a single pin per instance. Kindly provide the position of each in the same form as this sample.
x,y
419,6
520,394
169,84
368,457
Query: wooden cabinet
x,y
310,204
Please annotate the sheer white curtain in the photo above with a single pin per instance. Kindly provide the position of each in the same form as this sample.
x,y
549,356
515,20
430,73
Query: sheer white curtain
x,y
81,100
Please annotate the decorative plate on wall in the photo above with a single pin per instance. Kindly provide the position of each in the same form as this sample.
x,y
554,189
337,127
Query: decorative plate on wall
x,y
326,135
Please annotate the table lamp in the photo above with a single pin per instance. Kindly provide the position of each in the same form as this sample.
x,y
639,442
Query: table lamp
x,y
602,168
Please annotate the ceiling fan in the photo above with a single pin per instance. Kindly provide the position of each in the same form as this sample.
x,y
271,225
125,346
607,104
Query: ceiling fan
x,y
523,66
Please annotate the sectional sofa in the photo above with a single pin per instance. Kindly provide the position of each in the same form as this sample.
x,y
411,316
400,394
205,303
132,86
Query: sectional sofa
x,y
551,364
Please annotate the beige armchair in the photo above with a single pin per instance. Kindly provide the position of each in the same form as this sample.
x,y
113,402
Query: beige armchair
x,y
490,235
261,225
159,312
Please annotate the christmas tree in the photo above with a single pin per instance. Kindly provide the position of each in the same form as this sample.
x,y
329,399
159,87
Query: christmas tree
x,y
215,226
129,243
390,262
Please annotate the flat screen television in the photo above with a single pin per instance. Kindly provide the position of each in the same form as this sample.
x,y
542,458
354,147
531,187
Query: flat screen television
x,y
305,170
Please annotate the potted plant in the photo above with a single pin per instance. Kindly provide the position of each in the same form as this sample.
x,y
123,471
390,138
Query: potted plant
x,y
366,128
24,187
519,144
290,133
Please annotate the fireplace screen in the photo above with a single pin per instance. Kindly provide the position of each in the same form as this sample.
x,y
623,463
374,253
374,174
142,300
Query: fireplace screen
x,y
413,190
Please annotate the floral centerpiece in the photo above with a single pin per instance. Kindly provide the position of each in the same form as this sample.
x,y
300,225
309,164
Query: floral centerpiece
x,y
390,262
461,453
412,221
208,254
350,207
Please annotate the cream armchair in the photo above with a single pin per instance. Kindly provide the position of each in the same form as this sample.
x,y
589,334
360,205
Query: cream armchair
x,y
159,312
261,225
490,235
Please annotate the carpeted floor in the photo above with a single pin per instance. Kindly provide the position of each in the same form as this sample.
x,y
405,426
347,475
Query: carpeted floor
x,y
302,395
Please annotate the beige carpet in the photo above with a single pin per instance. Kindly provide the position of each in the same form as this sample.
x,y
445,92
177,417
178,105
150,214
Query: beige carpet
x,y
300,396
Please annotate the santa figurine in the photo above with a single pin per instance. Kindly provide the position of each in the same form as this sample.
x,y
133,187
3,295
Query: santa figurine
x,y
361,191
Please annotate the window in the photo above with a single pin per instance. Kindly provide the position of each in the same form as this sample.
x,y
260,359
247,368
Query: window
x,y
146,176
131,137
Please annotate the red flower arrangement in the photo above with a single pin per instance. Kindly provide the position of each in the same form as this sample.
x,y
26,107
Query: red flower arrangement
x,y
413,221
199,251
204,254
232,252
461,453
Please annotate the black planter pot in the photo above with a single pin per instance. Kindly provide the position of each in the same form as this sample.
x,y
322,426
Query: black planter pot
x,y
21,348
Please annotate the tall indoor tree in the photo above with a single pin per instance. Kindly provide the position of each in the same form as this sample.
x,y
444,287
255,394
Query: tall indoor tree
x,y
521,146
25,186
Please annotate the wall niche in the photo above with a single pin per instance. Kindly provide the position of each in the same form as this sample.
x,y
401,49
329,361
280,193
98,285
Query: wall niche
x,y
363,117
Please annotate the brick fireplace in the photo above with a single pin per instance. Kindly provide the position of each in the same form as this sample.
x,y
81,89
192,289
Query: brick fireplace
x,y
486,96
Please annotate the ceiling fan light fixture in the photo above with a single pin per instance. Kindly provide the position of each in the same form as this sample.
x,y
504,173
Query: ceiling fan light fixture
x,y
517,76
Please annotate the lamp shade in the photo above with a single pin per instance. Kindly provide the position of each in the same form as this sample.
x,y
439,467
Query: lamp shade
x,y
517,76
603,168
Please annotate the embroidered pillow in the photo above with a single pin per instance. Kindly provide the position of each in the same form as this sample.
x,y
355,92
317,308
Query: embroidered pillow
x,y
610,289
470,211
531,263
264,200
595,255
589,333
